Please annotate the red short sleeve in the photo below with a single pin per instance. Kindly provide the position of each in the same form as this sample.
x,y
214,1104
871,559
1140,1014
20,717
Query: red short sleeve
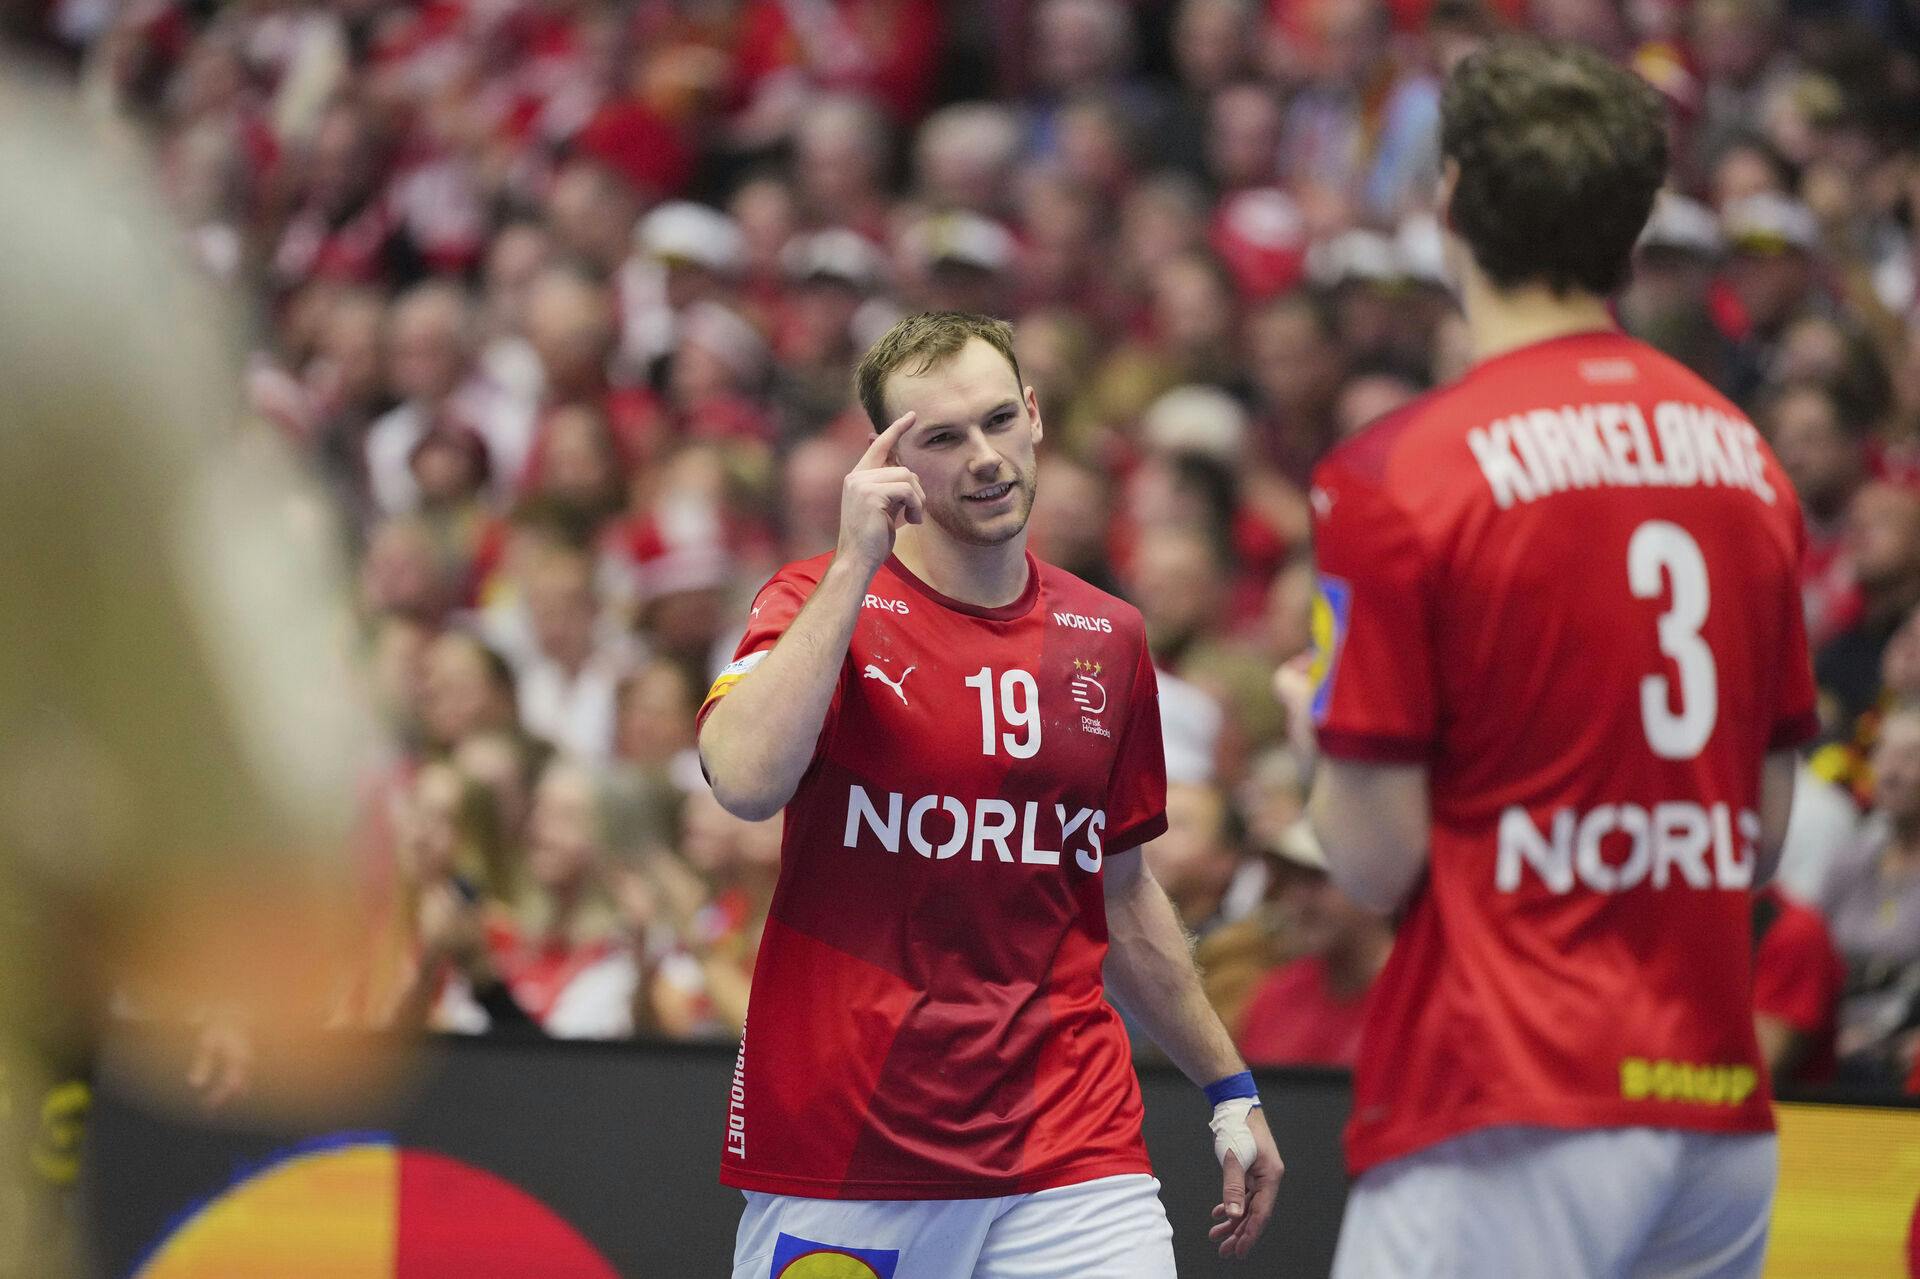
x,y
1375,693
774,609
1137,791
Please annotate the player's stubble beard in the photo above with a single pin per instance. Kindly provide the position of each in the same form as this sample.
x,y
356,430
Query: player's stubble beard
x,y
957,522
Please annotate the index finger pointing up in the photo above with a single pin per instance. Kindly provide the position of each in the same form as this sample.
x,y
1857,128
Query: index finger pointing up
x,y
882,447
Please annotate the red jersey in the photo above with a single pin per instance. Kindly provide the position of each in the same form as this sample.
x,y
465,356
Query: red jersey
x,y
1295,1019
1568,585
927,1018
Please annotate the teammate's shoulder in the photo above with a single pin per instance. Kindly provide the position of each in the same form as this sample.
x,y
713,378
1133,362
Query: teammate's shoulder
x,y
1075,602
1368,452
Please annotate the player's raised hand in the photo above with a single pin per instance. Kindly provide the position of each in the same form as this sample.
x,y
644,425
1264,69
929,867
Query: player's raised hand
x,y
1247,1193
877,498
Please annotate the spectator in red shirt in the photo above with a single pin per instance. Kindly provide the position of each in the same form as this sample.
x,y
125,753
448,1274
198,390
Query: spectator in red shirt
x,y
1309,1012
884,49
341,228
1797,980
571,325
564,952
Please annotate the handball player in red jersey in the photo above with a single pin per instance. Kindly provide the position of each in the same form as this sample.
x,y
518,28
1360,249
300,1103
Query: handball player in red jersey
x,y
966,743
1561,674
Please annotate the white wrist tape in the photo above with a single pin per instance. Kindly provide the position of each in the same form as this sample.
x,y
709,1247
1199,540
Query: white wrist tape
x,y
1231,1132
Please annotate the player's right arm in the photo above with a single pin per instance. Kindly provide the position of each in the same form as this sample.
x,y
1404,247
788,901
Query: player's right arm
x,y
1367,698
757,741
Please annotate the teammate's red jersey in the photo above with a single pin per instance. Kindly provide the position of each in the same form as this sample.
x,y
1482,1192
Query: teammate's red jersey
x,y
1568,585
927,1018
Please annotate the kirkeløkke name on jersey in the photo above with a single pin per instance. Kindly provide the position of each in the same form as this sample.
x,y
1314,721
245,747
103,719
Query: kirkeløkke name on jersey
x,y
939,827
1613,848
1532,455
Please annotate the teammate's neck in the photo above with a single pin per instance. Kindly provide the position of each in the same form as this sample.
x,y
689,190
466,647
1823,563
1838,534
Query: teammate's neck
x,y
984,576
1501,320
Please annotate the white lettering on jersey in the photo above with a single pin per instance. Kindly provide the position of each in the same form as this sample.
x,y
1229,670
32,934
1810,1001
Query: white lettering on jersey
x,y
916,827
1089,857
1081,622
989,822
1669,845
737,1100
1535,454
859,807
885,604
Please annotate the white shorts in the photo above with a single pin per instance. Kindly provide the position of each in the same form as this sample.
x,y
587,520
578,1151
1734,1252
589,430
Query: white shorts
x,y
1110,1228
1604,1203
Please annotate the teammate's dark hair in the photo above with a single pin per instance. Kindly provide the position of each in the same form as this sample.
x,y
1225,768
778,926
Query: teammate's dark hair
x,y
1560,154
919,342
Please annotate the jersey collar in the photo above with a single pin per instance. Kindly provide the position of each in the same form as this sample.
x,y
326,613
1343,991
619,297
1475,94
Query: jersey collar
x,y
1005,613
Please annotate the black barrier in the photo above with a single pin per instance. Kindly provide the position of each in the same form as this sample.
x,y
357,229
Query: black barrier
x,y
616,1147
622,1142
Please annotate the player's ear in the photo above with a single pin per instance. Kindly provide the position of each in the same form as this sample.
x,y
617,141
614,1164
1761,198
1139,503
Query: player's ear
x,y
1033,412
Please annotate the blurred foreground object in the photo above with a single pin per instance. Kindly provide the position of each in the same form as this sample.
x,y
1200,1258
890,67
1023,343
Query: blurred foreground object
x,y
178,731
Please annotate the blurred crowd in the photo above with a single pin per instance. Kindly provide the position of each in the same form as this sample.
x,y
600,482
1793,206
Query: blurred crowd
x,y
561,298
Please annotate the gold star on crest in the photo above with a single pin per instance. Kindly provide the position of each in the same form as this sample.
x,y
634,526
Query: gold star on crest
x,y
1086,667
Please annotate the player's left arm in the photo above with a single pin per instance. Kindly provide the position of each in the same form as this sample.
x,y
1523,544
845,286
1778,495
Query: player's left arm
x,y
1149,970
1372,821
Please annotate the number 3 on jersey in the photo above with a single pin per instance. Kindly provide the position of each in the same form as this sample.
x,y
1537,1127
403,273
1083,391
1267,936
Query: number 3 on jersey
x,y
1660,550
1019,706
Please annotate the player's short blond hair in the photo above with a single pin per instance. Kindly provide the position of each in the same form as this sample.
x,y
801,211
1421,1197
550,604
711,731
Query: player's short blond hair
x,y
919,342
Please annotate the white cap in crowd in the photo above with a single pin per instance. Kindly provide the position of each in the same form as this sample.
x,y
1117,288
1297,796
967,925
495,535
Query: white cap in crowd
x,y
963,239
685,231
1683,225
1357,256
835,254
1770,223
1196,419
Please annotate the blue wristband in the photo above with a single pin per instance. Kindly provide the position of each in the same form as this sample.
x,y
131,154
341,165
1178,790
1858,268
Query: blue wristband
x,y
1240,1085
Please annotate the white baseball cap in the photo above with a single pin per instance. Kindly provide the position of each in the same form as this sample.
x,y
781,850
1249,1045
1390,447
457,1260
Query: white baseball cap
x,y
685,231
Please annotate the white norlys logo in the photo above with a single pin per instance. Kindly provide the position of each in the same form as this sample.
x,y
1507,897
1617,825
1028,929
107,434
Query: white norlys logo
x,y
874,672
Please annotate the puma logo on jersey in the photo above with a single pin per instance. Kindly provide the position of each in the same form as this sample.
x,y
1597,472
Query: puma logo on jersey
x,y
874,672
1079,622
885,604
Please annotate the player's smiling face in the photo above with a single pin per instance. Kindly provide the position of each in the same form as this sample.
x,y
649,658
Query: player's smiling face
x,y
972,445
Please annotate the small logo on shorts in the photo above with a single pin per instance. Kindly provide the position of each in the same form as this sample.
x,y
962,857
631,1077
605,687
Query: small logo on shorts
x,y
797,1258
